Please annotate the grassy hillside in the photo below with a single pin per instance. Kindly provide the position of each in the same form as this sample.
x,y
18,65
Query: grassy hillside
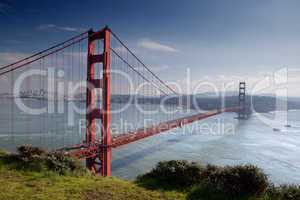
x,y
38,185
36,174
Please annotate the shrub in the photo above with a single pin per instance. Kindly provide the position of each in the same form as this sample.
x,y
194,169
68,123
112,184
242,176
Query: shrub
x,y
36,159
29,158
29,153
211,175
63,163
284,192
246,179
174,173
206,192
236,181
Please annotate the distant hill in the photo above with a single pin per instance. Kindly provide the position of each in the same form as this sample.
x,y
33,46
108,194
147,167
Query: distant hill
x,y
204,101
209,102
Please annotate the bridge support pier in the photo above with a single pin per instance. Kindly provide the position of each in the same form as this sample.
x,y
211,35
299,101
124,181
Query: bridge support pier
x,y
99,163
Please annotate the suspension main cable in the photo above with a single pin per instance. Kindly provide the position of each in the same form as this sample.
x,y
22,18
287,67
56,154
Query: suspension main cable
x,y
41,52
43,56
146,79
144,65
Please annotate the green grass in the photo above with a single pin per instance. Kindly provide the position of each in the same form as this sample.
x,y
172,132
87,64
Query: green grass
x,y
22,183
39,185
22,177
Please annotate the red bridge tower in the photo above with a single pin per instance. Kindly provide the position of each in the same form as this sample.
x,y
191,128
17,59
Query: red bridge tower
x,y
100,163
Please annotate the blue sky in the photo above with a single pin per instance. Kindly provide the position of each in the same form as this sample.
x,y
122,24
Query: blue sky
x,y
214,38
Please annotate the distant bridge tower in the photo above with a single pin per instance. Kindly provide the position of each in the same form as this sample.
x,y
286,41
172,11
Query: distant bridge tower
x,y
242,114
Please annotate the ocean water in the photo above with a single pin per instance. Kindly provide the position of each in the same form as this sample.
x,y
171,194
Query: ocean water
x,y
240,142
221,140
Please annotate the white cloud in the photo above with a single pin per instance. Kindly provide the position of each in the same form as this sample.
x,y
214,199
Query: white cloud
x,y
60,28
156,46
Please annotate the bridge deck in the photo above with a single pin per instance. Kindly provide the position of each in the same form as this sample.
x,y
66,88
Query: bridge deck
x,y
84,151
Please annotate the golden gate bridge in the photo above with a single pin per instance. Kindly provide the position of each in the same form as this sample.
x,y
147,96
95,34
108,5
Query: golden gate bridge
x,y
101,77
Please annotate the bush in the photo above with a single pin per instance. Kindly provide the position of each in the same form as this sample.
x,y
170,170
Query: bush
x,y
284,192
63,163
28,153
240,182
174,174
36,159
211,175
206,192
236,181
